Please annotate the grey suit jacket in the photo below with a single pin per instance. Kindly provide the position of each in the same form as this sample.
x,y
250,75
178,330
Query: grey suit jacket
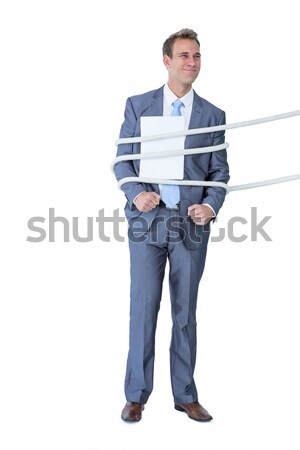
x,y
207,166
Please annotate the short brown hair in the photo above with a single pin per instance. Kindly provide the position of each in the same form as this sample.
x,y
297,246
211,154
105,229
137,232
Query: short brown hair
x,y
185,33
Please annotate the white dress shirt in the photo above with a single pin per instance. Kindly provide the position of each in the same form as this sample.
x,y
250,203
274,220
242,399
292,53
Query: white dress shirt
x,y
186,109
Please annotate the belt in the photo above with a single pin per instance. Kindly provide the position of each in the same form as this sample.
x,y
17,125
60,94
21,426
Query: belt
x,y
175,207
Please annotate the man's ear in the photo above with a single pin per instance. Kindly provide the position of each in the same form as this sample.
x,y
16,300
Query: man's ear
x,y
166,61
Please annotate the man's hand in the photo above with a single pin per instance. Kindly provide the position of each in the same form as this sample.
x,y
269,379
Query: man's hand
x,y
146,201
200,214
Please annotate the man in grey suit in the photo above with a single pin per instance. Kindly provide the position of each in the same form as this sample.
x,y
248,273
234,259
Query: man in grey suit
x,y
170,224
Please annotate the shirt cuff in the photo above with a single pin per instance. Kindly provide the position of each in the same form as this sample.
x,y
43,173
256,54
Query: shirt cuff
x,y
137,197
206,204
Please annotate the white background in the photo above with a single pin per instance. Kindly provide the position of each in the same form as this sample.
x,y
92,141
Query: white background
x,y
67,69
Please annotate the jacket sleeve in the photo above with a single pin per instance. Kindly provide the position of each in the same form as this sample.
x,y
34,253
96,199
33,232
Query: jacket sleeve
x,y
218,171
126,168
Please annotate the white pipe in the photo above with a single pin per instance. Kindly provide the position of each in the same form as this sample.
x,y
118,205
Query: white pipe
x,y
186,151
225,186
229,126
198,151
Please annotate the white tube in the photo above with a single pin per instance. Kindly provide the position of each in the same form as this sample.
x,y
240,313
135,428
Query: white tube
x,y
193,131
177,182
186,151
225,186
198,151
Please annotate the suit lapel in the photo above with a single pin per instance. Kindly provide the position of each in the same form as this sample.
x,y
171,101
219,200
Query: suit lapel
x,y
195,121
154,108
157,103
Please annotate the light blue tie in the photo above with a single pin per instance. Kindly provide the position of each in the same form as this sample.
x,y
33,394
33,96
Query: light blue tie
x,y
170,192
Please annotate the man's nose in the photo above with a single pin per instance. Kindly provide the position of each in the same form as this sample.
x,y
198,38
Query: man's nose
x,y
191,62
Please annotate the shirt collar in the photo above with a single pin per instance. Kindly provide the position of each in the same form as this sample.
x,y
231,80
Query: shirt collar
x,y
170,97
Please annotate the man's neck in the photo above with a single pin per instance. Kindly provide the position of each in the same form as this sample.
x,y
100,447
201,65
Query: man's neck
x,y
180,90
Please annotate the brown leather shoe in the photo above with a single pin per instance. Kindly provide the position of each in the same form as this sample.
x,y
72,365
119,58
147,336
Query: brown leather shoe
x,y
132,412
195,411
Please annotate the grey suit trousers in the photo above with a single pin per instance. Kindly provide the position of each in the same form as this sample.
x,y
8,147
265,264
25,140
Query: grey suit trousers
x,y
148,259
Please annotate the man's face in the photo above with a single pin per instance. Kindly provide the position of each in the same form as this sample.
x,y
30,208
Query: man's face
x,y
185,64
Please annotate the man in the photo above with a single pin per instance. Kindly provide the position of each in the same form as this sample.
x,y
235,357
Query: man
x,y
170,223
